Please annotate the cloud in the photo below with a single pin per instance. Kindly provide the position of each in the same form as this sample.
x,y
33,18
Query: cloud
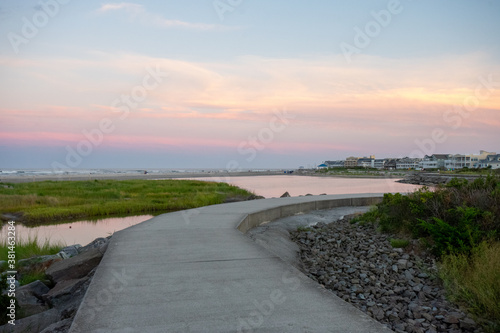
x,y
139,14
131,7
376,102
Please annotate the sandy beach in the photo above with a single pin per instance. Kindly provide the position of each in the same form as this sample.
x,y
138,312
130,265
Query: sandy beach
x,y
217,175
21,178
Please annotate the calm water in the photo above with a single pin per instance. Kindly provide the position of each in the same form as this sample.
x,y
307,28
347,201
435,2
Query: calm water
x,y
275,186
83,232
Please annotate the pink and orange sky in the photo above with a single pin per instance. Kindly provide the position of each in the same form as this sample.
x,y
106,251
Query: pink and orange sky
x,y
256,84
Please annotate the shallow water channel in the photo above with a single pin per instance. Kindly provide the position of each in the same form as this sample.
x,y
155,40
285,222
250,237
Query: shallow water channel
x,y
81,232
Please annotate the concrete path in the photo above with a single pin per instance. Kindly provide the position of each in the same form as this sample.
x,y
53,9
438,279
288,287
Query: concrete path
x,y
194,271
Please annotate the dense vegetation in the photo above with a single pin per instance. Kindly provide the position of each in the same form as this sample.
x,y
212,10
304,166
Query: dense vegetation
x,y
54,201
475,171
460,224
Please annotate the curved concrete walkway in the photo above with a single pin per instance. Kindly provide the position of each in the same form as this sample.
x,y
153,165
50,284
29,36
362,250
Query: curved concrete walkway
x,y
194,271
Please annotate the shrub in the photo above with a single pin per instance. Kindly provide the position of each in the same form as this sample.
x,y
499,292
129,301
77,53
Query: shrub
x,y
451,218
459,235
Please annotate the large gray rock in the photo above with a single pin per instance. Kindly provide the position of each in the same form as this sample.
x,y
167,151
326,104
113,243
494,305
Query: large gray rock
x,y
96,243
29,298
59,327
64,290
37,288
33,324
70,251
76,267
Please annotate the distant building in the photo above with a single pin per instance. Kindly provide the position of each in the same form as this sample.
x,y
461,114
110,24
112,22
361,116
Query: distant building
x,y
492,161
351,162
480,161
457,161
406,163
366,162
390,164
335,164
435,161
379,163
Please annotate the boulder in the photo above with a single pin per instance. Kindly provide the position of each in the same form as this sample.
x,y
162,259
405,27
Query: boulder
x,y
29,298
59,327
96,243
37,289
467,324
70,251
63,288
76,267
33,324
255,197
38,263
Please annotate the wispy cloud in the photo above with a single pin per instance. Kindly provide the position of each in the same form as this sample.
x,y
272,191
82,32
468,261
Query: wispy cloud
x,y
138,13
123,5
370,101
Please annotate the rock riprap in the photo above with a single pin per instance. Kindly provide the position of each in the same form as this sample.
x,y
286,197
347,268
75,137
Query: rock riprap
x,y
49,306
398,288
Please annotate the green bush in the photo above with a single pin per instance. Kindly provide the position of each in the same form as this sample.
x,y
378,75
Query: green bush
x,y
460,235
451,218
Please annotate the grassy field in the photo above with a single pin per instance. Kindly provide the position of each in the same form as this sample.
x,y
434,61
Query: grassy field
x,y
56,201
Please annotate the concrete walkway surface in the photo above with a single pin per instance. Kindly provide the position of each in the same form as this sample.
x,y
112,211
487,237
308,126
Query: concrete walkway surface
x,y
194,271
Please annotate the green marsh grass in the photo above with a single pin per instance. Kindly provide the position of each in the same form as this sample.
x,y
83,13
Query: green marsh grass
x,y
475,281
31,247
54,201
399,243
